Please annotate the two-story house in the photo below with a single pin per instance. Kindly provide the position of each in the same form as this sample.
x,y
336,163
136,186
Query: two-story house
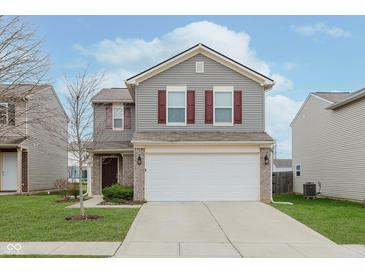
x,y
31,158
191,128
328,136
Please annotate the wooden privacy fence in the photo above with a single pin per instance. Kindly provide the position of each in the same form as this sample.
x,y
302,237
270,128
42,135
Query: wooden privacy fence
x,y
282,182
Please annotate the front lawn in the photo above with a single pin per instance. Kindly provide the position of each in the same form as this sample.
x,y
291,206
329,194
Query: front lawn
x,y
41,218
341,221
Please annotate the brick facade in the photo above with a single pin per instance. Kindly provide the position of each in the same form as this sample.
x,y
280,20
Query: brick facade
x,y
139,173
265,176
125,170
128,173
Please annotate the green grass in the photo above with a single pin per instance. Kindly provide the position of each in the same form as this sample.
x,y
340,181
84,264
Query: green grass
x,y
40,218
341,221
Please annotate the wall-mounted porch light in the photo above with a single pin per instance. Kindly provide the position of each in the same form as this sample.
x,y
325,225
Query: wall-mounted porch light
x,y
266,159
139,160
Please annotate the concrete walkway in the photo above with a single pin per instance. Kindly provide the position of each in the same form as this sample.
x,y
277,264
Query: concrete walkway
x,y
223,229
94,202
59,248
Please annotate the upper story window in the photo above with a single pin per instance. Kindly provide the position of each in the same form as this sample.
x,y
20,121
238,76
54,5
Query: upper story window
x,y
118,119
298,170
199,67
3,113
176,105
223,106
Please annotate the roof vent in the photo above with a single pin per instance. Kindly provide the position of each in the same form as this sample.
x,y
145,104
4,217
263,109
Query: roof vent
x,y
199,66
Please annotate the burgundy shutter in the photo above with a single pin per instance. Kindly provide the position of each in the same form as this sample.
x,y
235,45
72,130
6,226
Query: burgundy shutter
x,y
162,106
127,117
191,106
209,107
109,117
237,107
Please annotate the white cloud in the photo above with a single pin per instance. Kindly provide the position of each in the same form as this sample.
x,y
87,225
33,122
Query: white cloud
x,y
281,83
290,66
134,54
321,28
280,111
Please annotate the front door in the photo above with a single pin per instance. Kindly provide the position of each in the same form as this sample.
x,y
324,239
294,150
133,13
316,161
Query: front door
x,y
109,171
9,171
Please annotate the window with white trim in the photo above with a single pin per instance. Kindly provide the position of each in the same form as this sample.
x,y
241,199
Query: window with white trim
x,y
176,105
3,113
223,106
118,117
298,169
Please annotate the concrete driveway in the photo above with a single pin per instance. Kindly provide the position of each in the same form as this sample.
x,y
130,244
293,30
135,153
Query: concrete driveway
x,y
222,229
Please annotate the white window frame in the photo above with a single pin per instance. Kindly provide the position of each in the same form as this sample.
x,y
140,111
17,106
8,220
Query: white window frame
x,y
300,169
226,89
172,89
121,106
197,65
6,112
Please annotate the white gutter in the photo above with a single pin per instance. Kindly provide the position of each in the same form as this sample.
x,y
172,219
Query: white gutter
x,y
202,142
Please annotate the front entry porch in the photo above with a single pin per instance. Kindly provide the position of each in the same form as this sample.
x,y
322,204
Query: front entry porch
x,y
109,169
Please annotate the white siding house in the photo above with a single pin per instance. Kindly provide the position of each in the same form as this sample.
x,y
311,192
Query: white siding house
x,y
328,136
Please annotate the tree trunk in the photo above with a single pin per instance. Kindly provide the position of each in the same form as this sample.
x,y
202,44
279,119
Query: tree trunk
x,y
82,209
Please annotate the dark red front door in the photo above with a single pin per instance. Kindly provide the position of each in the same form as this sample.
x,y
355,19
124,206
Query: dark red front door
x,y
109,172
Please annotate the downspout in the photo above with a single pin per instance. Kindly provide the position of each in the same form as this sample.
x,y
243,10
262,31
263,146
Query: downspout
x,y
272,200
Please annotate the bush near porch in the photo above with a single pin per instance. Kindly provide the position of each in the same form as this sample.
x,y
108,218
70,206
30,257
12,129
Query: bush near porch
x,y
341,221
118,194
41,218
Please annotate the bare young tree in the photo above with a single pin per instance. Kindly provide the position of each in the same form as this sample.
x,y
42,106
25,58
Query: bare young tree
x,y
80,91
23,67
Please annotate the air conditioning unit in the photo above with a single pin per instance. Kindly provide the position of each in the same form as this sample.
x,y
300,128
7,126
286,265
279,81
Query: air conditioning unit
x,y
309,190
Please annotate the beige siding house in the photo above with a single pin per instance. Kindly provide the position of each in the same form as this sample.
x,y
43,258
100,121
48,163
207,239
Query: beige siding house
x,y
31,158
328,136
191,128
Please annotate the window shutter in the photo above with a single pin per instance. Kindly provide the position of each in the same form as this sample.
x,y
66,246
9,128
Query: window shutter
x,y
191,106
127,117
109,117
162,106
237,107
209,107
11,114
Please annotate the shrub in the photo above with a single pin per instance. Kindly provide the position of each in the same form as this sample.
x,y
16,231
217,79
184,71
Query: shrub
x,y
73,189
118,193
61,184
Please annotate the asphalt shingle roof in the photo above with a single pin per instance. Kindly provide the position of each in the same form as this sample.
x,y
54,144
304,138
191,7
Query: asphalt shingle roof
x,y
113,94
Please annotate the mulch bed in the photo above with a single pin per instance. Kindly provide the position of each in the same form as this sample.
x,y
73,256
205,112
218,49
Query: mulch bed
x,y
83,218
121,203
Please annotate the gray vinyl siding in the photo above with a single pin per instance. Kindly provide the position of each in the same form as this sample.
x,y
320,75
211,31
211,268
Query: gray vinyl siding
x,y
102,134
20,128
330,146
215,74
47,151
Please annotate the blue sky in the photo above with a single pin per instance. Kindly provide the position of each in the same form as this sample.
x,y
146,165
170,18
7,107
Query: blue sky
x,y
302,53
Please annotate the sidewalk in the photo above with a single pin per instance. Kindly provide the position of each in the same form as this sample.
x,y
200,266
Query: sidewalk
x,y
94,202
59,248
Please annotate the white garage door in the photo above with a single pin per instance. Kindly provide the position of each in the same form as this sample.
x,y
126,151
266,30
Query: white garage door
x,y
202,177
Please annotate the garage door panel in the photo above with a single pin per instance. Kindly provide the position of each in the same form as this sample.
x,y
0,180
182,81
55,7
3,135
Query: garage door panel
x,y
202,177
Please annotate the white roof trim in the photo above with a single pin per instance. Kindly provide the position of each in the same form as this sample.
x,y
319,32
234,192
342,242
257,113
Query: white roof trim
x,y
305,102
354,97
139,142
201,49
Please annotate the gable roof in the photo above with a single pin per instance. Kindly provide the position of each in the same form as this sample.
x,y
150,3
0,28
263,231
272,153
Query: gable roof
x,y
352,97
108,95
333,97
263,80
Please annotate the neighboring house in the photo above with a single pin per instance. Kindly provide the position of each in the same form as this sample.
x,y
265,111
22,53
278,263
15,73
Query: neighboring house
x,y
73,169
31,158
282,165
329,144
191,128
